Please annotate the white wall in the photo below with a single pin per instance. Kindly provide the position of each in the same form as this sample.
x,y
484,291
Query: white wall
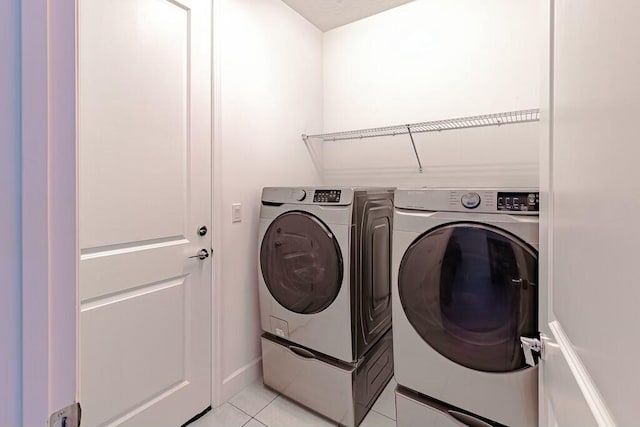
x,y
270,62
10,246
429,60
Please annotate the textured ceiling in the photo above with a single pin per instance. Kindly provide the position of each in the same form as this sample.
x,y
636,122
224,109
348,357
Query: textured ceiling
x,y
329,14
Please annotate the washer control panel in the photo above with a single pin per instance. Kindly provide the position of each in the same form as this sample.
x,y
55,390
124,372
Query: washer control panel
x,y
516,201
326,196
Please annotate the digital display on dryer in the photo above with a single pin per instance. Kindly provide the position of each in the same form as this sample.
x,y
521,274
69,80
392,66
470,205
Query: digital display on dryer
x,y
326,196
520,201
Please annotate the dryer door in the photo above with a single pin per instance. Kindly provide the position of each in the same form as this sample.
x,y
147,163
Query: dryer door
x,y
470,291
301,262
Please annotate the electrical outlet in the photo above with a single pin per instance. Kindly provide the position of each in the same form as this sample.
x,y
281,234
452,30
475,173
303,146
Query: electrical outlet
x,y
236,212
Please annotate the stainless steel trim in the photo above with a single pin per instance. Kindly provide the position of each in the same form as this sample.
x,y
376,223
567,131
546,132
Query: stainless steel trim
x,y
302,352
341,364
416,409
467,419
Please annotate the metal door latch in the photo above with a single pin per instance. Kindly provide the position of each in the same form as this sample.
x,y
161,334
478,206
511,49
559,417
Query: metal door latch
x,y
533,350
66,417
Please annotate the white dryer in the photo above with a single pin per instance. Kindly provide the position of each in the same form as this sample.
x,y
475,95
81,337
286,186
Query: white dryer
x,y
465,268
325,296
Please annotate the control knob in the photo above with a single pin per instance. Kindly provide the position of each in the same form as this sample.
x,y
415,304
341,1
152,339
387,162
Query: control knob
x,y
300,195
470,200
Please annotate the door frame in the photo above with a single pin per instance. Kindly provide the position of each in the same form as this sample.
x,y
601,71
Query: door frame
x,y
49,209
216,208
50,305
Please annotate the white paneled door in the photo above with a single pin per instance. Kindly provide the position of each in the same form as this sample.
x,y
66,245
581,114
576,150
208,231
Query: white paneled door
x,y
144,110
589,297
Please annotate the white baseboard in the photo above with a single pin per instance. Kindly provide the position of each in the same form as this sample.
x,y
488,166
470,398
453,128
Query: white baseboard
x,y
241,378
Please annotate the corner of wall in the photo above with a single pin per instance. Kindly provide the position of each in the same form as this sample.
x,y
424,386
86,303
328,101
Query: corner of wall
x,y
245,82
239,379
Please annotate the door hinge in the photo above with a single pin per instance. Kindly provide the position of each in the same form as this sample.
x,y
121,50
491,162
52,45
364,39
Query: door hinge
x,y
66,417
533,349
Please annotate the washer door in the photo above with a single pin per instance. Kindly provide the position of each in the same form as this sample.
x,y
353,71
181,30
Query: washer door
x,y
301,262
470,291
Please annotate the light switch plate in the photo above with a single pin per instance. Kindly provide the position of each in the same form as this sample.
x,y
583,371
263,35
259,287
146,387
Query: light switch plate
x,y
236,212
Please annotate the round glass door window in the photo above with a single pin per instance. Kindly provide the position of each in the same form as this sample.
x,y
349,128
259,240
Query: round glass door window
x,y
470,291
301,263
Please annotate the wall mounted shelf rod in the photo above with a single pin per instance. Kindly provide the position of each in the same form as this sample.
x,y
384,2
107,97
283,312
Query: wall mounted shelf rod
x,y
415,150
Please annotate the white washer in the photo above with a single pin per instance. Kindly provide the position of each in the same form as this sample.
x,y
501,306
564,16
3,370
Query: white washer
x,y
325,297
465,270
311,291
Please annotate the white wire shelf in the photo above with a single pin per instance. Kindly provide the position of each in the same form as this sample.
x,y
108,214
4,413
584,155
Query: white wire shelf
x,y
495,119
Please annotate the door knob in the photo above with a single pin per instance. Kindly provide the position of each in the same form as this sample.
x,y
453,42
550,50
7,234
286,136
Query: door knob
x,y
202,254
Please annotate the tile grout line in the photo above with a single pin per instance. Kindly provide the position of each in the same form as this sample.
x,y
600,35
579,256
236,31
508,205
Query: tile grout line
x,y
278,395
239,409
265,407
253,417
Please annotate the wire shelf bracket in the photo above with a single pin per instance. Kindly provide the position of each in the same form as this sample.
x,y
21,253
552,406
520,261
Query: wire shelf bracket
x,y
495,119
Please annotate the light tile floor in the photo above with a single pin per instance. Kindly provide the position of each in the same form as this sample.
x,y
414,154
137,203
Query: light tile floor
x,y
258,406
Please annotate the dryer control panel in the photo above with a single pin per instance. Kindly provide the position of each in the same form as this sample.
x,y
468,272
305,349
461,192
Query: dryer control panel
x,y
518,201
326,196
